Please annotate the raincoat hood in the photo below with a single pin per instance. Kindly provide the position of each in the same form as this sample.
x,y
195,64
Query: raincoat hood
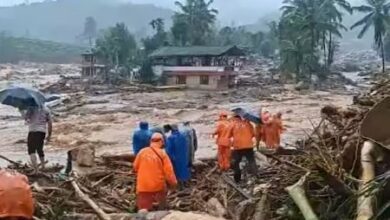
x,y
144,125
174,128
223,115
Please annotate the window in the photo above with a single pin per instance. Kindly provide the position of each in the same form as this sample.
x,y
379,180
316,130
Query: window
x,y
88,58
204,80
181,80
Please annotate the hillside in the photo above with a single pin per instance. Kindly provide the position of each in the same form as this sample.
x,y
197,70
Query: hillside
x,y
15,49
63,20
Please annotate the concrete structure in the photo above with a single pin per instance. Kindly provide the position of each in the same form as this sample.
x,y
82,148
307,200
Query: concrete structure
x,y
198,67
90,66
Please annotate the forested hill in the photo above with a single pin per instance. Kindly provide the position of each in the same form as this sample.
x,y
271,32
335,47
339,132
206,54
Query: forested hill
x,y
63,20
14,49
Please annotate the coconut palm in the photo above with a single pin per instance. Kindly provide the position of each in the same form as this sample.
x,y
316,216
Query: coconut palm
x,y
333,17
377,16
199,18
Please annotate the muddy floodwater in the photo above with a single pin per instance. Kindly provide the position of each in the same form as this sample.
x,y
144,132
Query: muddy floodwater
x,y
108,121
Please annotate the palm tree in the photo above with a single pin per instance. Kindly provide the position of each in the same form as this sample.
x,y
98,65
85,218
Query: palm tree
x,y
157,24
377,16
199,18
333,18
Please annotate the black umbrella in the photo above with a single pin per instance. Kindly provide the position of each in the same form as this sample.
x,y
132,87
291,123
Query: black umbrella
x,y
21,97
247,115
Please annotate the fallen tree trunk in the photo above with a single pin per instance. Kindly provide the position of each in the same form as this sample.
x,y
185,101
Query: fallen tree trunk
x,y
119,157
10,161
365,202
262,208
102,215
229,181
297,193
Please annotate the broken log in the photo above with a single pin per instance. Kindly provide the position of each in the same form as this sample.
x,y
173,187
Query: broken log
x,y
262,208
120,157
365,202
335,183
229,181
289,163
101,180
10,161
297,193
102,215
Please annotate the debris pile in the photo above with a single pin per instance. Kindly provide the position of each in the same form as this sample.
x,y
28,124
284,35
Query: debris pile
x,y
327,165
111,186
324,169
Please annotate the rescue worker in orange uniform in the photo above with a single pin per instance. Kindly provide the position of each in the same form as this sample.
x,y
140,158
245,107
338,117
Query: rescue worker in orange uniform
x,y
223,141
272,131
242,132
16,200
260,136
154,172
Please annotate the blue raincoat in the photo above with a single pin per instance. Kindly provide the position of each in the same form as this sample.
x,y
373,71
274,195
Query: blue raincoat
x,y
178,152
141,137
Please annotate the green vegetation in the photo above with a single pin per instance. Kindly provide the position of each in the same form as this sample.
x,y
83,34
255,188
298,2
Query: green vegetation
x,y
308,27
62,20
15,49
193,23
90,30
305,38
378,17
117,46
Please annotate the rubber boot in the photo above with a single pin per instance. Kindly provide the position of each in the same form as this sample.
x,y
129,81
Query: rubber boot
x,y
42,159
34,163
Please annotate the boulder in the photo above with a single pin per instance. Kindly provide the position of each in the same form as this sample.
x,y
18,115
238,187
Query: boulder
x,y
85,156
215,208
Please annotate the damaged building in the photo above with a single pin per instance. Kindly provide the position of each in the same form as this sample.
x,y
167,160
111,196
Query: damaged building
x,y
198,67
91,66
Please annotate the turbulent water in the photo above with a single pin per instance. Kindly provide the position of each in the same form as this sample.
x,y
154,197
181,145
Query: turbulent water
x,y
108,124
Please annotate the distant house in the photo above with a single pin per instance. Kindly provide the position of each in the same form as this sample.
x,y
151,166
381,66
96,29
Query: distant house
x,y
198,67
90,67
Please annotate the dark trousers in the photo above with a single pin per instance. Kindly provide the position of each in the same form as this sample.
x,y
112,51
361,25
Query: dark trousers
x,y
35,142
249,154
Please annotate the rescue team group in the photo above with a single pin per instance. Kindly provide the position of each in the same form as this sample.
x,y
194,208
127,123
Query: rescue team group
x,y
164,157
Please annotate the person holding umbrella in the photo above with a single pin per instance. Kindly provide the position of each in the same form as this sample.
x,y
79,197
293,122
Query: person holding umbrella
x,y
40,126
31,104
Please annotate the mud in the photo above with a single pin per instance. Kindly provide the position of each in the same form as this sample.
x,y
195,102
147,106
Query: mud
x,y
106,121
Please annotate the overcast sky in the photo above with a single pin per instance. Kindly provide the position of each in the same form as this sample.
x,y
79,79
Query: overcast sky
x,y
241,11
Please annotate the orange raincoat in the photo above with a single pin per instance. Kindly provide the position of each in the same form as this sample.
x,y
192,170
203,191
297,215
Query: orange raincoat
x,y
242,132
16,198
272,132
260,136
154,170
223,141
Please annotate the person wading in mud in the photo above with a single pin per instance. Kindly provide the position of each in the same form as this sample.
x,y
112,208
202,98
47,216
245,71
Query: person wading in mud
x,y
242,132
154,175
40,126
222,132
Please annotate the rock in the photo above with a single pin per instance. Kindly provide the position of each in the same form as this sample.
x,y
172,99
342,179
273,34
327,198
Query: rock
x,y
259,92
202,107
301,86
86,157
215,208
261,188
